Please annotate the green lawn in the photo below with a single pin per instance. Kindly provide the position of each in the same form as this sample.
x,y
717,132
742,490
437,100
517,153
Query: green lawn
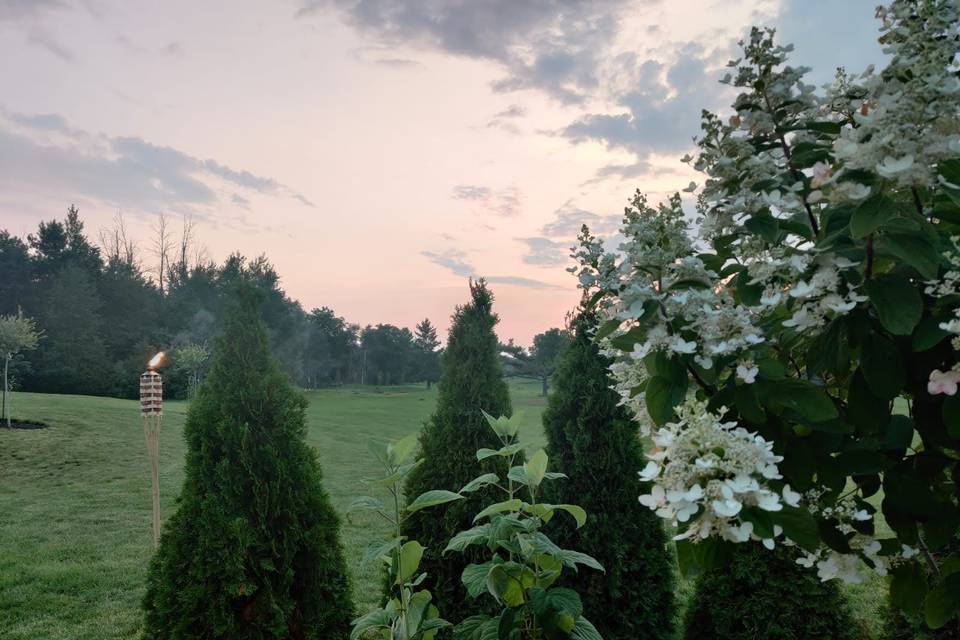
x,y
75,534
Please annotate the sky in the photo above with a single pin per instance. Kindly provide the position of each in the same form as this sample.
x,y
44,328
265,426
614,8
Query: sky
x,y
379,152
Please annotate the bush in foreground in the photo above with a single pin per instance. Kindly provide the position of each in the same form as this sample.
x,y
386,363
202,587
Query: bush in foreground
x,y
766,595
253,549
594,441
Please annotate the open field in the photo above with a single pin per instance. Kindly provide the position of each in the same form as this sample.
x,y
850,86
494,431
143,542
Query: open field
x,y
75,535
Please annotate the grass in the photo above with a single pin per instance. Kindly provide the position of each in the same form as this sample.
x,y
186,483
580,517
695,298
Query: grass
x,y
75,536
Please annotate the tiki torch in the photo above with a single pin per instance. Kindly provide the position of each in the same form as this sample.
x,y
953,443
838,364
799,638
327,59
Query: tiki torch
x,y
151,410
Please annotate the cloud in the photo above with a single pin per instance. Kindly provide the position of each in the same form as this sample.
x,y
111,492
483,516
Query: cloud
x,y
44,40
551,45
568,219
11,10
660,113
544,252
171,49
504,203
455,261
43,153
513,111
452,259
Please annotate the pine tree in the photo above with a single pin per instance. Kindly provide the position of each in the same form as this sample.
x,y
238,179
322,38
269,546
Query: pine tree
x,y
471,381
594,441
252,550
426,342
766,595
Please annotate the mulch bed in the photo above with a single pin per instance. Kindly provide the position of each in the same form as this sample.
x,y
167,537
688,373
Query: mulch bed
x,y
22,424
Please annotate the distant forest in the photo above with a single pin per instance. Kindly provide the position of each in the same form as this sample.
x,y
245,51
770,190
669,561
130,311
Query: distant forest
x,y
106,307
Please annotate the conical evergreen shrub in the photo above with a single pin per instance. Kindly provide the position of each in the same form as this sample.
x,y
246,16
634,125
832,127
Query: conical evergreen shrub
x,y
595,443
766,595
471,381
252,550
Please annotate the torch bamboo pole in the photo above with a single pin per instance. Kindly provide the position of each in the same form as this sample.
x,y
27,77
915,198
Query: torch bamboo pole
x,y
151,430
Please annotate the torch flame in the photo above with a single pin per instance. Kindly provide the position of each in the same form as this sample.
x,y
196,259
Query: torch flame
x,y
155,361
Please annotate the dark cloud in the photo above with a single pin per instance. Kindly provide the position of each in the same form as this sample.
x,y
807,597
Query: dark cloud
x,y
661,112
455,261
552,45
544,252
45,154
568,219
504,202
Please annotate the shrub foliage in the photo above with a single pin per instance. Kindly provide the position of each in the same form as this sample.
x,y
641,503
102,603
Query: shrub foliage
x,y
252,550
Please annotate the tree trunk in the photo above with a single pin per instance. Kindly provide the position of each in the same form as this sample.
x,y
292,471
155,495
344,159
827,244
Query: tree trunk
x,y
6,414
545,384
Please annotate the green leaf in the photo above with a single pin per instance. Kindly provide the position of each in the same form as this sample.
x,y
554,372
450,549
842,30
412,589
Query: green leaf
x,y
480,482
943,602
365,503
499,507
503,452
535,468
577,512
477,535
897,302
378,619
872,214
432,498
908,587
809,402
914,249
798,525
474,578
660,397
410,555
571,559
606,329
928,334
584,630
380,549
400,451
508,583
504,426
695,558
762,521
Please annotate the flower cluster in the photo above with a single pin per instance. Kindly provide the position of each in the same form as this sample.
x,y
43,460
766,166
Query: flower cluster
x,y
702,465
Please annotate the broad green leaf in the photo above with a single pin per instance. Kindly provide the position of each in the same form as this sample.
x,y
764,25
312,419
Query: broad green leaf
x,y
410,555
400,451
659,399
577,512
882,366
802,398
504,426
503,452
943,602
477,535
508,583
798,525
606,329
474,578
432,498
535,468
378,619
480,482
908,587
380,549
897,303
872,214
584,630
499,507
571,559
914,249
928,334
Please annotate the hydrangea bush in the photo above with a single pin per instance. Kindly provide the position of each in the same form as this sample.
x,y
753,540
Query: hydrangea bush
x,y
791,352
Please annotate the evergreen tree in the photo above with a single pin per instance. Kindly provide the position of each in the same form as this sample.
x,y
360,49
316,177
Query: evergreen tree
x,y
426,342
471,382
766,595
594,441
252,550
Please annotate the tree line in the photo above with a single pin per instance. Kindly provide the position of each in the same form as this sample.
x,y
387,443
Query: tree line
x,y
104,308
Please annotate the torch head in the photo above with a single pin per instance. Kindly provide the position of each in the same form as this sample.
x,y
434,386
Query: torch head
x,y
155,361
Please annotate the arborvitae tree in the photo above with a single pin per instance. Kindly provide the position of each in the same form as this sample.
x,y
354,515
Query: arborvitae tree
x,y
766,595
594,441
252,550
471,382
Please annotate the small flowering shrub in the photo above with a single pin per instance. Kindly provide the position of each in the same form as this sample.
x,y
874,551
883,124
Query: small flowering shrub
x,y
523,562
792,352
409,613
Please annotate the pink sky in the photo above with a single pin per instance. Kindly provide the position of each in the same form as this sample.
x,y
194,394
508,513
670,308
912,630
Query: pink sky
x,y
379,154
